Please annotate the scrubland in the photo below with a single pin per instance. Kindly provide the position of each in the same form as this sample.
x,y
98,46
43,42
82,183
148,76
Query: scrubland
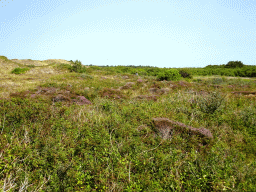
x,y
110,141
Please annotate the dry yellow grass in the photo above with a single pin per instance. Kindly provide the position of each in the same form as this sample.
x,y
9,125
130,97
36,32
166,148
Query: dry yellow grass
x,y
42,71
40,63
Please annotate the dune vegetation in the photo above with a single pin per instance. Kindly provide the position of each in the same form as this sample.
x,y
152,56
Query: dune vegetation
x,y
69,127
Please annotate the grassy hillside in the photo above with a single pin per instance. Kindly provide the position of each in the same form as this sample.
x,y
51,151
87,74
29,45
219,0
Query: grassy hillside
x,y
67,127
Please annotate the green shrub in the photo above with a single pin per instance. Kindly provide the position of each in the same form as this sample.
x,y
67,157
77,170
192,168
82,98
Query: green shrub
x,y
77,67
153,71
185,73
20,70
210,103
234,64
227,72
245,72
169,75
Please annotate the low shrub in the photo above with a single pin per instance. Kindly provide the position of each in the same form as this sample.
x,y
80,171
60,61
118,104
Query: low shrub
x,y
210,103
77,67
19,70
169,75
154,71
185,73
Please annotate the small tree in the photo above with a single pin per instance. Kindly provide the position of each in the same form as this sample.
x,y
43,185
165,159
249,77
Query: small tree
x,y
234,64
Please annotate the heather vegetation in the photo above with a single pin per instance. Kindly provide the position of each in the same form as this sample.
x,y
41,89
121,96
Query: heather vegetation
x,y
70,127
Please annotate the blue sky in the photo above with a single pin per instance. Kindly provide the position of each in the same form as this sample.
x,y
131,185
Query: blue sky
x,y
162,33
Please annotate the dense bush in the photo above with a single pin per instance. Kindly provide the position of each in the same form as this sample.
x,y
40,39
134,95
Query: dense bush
x,y
234,64
19,70
169,75
246,71
77,67
154,71
185,73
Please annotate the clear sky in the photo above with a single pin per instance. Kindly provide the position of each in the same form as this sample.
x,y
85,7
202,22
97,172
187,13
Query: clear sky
x,y
162,33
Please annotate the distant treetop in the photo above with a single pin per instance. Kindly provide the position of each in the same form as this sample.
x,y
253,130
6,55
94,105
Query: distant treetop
x,y
234,64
